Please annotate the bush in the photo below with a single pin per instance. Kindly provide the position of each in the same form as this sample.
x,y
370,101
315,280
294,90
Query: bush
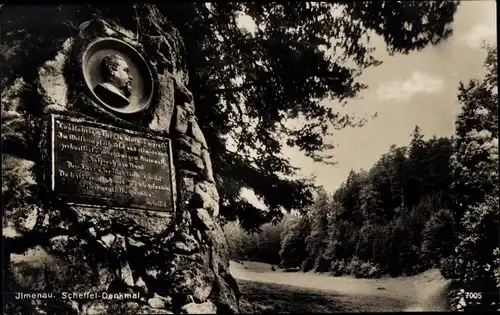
x,y
305,266
322,264
337,268
496,266
374,271
353,267
448,268
474,261
364,269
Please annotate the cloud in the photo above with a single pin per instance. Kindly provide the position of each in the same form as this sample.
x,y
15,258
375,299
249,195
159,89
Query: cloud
x,y
419,82
477,34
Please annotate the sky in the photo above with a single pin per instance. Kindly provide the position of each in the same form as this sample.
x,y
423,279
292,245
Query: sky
x,y
406,90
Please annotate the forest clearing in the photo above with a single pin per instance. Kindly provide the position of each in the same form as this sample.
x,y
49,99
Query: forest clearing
x,y
279,291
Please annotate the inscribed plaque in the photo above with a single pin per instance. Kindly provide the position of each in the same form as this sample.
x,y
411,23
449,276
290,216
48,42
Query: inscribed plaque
x,y
94,164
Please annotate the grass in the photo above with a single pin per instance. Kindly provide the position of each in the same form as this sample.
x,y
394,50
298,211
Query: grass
x,y
258,297
265,291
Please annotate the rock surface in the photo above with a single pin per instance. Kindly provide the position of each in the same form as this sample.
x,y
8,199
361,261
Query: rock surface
x,y
161,262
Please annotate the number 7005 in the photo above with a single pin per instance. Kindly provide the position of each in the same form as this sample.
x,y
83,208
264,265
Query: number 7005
x,y
473,295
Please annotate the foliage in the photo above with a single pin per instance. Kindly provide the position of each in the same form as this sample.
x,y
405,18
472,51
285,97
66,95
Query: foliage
x,y
496,265
293,246
388,220
438,237
315,241
248,84
253,82
475,185
263,246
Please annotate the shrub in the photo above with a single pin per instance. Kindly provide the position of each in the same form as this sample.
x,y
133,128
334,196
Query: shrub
x,y
375,271
337,268
334,266
365,269
322,264
354,266
496,266
305,266
448,267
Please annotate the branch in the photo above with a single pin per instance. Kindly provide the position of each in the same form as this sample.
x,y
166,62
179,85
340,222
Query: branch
x,y
234,89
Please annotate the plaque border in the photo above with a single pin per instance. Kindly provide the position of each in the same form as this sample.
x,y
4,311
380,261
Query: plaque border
x,y
53,118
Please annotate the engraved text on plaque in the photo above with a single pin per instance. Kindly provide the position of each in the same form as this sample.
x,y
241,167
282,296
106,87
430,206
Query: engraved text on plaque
x,y
101,165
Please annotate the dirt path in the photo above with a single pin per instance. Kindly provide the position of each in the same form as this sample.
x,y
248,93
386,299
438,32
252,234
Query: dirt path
x,y
411,290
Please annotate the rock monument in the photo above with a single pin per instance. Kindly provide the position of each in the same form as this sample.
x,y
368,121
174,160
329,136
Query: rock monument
x,y
108,193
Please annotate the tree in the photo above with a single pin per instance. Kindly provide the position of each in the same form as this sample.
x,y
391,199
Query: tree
x,y
315,241
381,179
374,244
293,246
248,84
438,179
475,184
269,242
331,251
348,196
398,172
438,237
476,132
416,162
403,256
371,229
372,205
